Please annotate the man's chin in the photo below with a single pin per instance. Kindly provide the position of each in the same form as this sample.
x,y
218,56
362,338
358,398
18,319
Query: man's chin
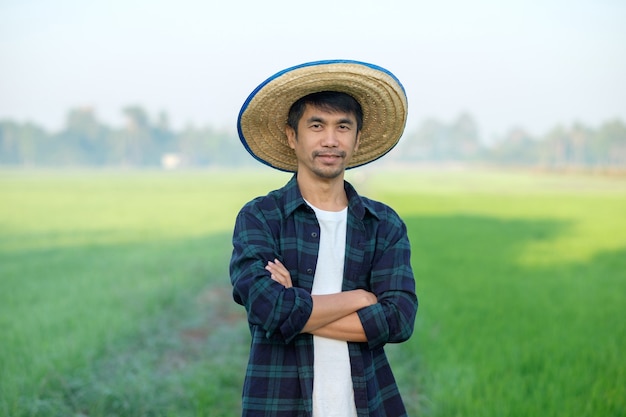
x,y
329,173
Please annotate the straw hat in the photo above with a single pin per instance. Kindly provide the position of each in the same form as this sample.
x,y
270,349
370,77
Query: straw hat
x,y
263,116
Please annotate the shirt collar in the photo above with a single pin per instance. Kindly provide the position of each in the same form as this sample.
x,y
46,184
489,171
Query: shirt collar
x,y
356,204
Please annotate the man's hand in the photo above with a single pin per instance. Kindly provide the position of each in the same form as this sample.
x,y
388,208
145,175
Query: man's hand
x,y
279,273
333,315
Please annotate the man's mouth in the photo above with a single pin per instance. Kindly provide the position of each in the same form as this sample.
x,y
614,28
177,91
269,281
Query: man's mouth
x,y
329,155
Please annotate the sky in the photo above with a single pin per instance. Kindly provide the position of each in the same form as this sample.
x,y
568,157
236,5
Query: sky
x,y
516,63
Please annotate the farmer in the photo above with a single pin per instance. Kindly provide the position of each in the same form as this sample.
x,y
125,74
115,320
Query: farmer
x,y
324,274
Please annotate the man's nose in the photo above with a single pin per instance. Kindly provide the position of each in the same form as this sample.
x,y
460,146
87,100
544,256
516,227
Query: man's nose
x,y
330,139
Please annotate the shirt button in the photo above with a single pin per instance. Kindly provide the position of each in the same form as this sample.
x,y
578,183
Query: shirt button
x,y
314,235
309,271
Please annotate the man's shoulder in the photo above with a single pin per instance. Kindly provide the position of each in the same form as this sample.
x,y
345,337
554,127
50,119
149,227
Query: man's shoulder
x,y
274,201
381,210
270,200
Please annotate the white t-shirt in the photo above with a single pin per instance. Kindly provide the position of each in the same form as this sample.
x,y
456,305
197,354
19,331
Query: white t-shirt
x,y
333,394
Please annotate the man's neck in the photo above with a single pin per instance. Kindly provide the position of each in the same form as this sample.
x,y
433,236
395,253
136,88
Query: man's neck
x,y
325,194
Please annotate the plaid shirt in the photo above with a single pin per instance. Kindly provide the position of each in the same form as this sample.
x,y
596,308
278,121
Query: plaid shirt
x,y
279,376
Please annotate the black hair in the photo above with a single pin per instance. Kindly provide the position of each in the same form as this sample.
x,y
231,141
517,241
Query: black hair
x,y
328,100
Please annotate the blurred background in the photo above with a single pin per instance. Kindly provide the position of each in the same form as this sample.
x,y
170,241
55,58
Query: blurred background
x,y
158,83
121,175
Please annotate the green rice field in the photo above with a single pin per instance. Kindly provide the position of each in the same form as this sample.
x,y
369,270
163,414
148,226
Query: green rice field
x,y
115,297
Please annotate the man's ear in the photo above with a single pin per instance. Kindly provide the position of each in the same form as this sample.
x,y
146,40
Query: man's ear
x,y
291,136
358,141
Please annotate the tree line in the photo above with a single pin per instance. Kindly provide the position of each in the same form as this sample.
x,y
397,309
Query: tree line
x,y
150,142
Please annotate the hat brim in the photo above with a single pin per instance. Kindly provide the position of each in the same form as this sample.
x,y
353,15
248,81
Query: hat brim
x,y
263,116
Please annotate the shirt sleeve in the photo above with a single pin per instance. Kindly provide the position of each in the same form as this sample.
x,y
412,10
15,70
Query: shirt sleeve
x,y
392,319
279,311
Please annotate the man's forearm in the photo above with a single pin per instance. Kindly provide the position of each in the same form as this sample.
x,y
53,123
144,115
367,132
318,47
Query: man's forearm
x,y
348,329
333,307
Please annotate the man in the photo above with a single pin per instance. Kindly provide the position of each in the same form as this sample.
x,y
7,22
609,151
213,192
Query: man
x,y
324,274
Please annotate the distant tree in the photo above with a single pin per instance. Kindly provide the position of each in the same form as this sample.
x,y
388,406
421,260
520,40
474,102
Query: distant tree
x,y
464,138
83,141
21,144
580,138
554,148
516,148
136,137
192,150
609,144
9,143
426,143
163,137
437,141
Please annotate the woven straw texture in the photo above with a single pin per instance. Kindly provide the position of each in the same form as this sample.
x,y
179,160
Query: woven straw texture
x,y
263,118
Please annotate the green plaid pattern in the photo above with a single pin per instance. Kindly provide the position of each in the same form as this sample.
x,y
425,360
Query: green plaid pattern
x,y
279,375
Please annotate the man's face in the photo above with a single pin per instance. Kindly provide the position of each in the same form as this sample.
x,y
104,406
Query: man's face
x,y
325,142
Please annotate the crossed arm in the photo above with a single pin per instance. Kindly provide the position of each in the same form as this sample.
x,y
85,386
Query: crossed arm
x,y
334,315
